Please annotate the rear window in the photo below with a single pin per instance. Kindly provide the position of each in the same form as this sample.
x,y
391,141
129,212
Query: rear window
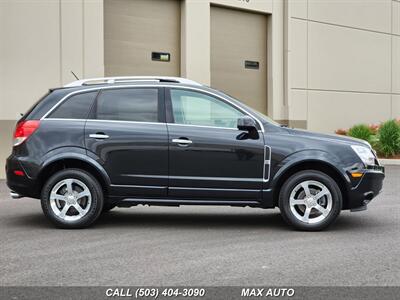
x,y
139,105
75,107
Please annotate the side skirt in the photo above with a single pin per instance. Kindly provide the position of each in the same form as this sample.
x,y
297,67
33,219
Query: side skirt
x,y
177,202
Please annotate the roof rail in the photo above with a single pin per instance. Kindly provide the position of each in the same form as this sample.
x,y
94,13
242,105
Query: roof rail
x,y
125,79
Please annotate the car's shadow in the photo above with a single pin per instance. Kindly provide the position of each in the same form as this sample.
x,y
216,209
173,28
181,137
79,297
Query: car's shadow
x,y
191,220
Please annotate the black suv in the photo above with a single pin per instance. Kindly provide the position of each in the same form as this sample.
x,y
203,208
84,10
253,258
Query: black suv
x,y
99,143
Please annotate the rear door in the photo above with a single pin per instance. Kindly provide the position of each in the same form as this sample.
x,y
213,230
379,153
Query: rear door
x,y
209,157
127,133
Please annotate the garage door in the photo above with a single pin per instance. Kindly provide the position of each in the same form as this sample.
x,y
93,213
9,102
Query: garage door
x,y
142,37
239,55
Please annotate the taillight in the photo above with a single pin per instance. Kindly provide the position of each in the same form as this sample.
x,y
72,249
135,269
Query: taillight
x,y
23,130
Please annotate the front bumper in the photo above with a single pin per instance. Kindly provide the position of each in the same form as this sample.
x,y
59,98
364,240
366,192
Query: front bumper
x,y
369,186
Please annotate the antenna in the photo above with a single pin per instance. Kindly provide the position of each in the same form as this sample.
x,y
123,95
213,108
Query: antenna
x,y
74,75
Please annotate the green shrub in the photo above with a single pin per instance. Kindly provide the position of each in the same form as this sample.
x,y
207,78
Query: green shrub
x,y
361,131
389,138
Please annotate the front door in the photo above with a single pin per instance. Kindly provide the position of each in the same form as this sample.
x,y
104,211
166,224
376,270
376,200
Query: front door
x,y
209,157
127,134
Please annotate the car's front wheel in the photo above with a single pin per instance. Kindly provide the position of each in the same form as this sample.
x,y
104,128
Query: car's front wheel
x,y
72,198
310,200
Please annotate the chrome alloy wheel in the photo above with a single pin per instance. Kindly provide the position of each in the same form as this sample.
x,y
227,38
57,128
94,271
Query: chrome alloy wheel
x,y
70,199
310,201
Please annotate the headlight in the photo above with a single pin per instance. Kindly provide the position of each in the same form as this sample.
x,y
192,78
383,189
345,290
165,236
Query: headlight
x,y
365,154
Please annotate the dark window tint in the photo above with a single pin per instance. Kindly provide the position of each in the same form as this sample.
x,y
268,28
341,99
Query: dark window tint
x,y
75,107
139,105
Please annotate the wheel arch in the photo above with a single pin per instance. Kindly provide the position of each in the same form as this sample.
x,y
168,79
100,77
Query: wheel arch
x,y
311,164
74,161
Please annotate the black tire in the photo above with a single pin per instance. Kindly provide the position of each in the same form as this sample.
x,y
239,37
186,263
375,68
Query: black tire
x,y
290,186
107,207
94,209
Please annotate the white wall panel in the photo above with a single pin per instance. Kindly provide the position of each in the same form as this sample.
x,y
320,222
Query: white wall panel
x,y
396,65
328,111
298,105
396,17
93,42
298,8
396,106
367,14
71,40
298,53
347,59
29,53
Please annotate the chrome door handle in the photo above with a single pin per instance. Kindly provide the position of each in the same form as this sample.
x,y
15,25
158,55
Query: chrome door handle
x,y
182,141
99,136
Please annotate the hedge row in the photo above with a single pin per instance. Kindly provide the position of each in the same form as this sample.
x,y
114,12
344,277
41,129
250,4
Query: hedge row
x,y
384,138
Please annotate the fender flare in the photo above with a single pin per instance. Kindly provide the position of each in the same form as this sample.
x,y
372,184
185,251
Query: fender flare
x,y
307,156
74,153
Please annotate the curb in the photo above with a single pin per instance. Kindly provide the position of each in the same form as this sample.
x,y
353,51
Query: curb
x,y
389,162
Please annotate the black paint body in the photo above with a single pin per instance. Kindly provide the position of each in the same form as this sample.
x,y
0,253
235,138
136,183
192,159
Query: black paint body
x,y
138,164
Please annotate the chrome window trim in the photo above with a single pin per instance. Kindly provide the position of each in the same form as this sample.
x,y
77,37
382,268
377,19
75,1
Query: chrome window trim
x,y
108,121
140,122
201,126
205,126
154,86
61,119
129,122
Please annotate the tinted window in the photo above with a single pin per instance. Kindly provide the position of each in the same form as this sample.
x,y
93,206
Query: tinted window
x,y
128,105
199,109
75,107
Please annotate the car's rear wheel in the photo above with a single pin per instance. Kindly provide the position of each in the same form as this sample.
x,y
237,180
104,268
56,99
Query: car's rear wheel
x,y
72,198
310,200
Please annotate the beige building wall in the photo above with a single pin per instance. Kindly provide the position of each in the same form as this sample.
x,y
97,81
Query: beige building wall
x,y
41,42
343,62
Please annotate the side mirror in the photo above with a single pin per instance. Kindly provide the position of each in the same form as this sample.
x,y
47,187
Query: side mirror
x,y
246,123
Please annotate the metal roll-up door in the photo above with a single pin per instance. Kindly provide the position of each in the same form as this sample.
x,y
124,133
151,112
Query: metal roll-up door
x,y
142,37
239,55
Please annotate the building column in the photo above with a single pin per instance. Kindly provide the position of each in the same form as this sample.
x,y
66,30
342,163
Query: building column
x,y
195,41
277,106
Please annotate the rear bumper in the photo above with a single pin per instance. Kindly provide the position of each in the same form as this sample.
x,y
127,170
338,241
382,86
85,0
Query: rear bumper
x,y
23,186
368,188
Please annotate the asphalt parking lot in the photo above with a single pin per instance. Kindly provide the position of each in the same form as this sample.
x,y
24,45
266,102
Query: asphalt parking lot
x,y
201,246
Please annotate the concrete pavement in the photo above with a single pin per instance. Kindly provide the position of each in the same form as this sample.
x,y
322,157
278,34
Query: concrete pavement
x,y
201,246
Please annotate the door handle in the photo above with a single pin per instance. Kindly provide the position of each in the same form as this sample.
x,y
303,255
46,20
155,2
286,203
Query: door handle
x,y
182,141
99,136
